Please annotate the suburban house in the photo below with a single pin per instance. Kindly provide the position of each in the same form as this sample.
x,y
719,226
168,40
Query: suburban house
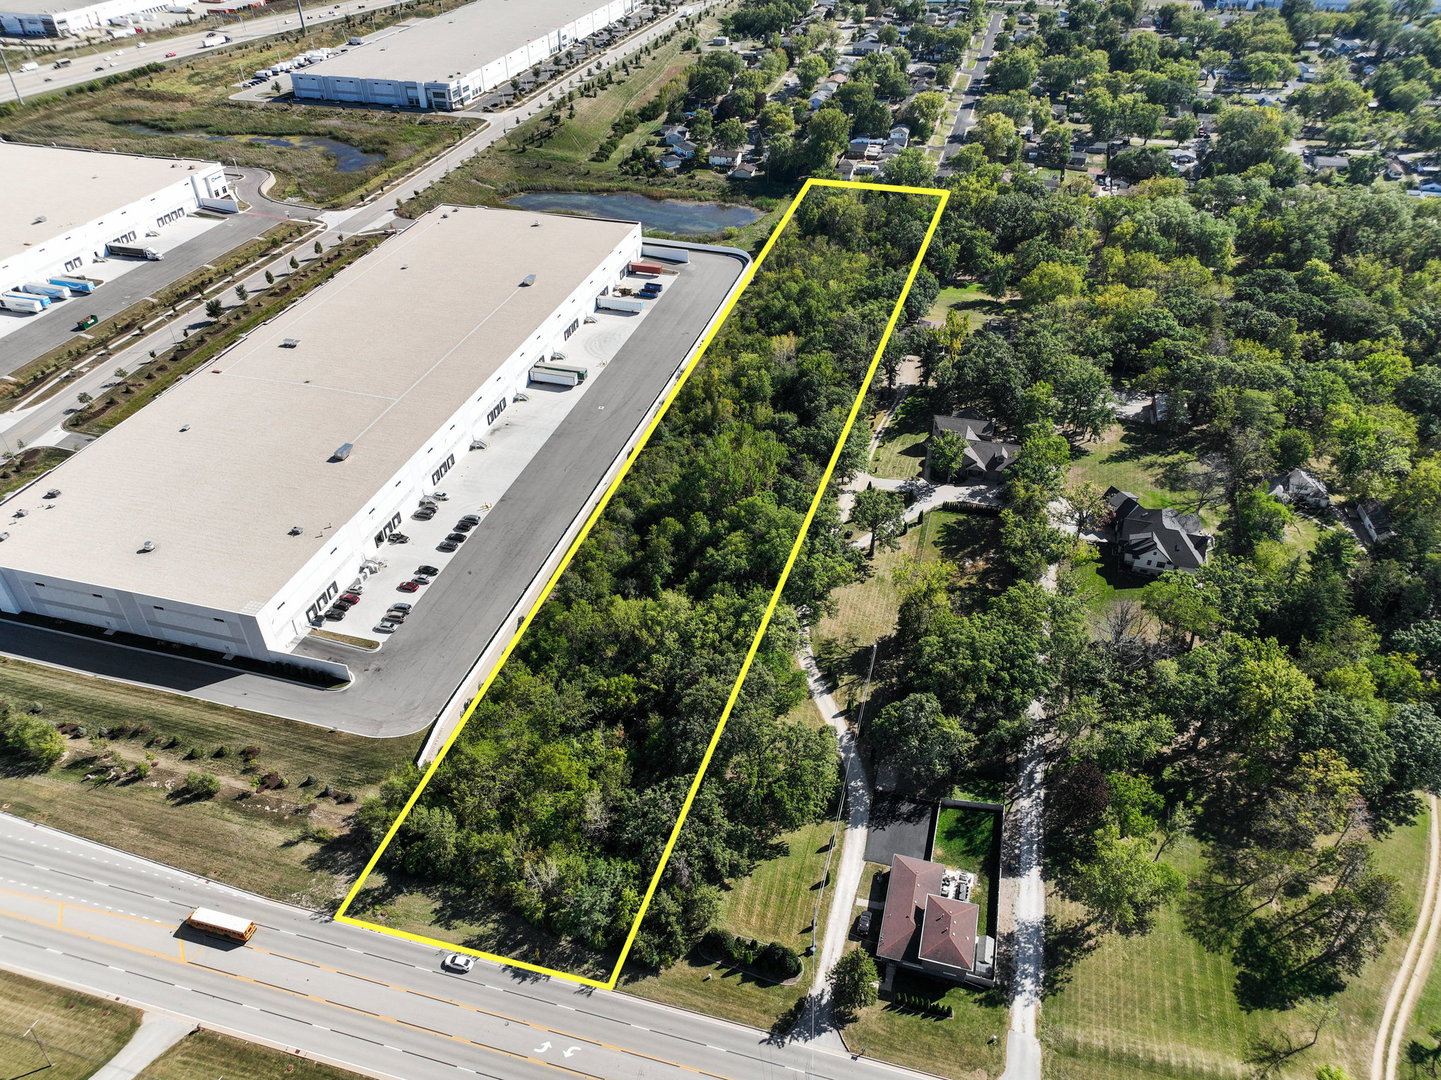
x,y
723,157
1154,541
1298,488
987,457
670,162
930,925
900,136
744,171
1375,520
673,134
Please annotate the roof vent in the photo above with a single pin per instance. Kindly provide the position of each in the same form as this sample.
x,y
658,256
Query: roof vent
x,y
40,220
529,280
295,530
342,452
146,547
185,427
535,224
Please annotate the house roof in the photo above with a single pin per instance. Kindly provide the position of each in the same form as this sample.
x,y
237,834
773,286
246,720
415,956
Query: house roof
x,y
912,881
1296,482
969,423
991,455
948,933
1141,530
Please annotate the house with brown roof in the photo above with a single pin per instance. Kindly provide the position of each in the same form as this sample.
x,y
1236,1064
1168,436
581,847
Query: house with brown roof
x,y
928,926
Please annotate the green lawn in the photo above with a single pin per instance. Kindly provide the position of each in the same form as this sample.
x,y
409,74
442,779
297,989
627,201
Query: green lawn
x,y
971,302
1162,1006
970,840
205,1054
78,1032
901,452
775,903
1154,467
247,838
954,1047
1104,580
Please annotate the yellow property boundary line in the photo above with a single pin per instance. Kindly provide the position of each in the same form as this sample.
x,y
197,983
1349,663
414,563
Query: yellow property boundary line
x,y
748,277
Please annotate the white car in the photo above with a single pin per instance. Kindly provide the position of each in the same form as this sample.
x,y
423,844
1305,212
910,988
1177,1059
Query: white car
x,y
458,963
385,626
442,496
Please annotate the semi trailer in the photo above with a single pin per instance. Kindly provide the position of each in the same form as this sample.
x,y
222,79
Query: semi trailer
x,y
75,285
22,302
133,251
651,268
41,288
558,374
619,303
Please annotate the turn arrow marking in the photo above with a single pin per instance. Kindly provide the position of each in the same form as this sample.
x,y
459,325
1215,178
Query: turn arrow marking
x,y
570,1050
543,1049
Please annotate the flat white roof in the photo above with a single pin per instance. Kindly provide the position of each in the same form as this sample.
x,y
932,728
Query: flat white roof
x,y
389,350
69,188
457,43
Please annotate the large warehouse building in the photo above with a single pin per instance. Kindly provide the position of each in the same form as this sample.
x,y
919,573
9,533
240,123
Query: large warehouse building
x,y
448,62
233,509
59,207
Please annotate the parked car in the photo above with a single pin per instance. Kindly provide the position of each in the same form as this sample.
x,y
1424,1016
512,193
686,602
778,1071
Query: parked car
x,y
408,586
458,963
420,579
351,597
464,526
440,496
446,546
335,614
398,538
455,537
400,606
474,519
395,616
385,626
343,604
428,571
863,924
425,513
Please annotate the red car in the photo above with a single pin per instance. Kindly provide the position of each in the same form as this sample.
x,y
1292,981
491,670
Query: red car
x,y
409,586
351,597
169,55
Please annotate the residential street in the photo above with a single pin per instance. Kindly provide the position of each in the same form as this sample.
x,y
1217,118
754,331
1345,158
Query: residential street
x,y
975,88
90,917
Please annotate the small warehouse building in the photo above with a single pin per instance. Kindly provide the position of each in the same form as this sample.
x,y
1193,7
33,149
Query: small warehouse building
x,y
60,207
230,512
446,63
62,19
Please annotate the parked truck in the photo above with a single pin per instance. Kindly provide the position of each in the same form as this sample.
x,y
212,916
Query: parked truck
x,y
619,303
653,269
40,288
75,285
22,302
557,374
133,251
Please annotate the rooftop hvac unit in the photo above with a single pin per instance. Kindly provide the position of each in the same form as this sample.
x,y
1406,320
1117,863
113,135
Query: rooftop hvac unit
x,y
295,530
146,547
342,452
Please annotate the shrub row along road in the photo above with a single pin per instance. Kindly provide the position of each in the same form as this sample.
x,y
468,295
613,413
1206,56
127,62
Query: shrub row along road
x,y
79,913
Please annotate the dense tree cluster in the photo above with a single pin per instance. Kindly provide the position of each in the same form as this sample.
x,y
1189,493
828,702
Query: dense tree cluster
x,y
559,796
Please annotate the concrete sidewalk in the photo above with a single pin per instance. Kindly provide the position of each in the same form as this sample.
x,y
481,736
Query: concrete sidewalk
x,y
157,1033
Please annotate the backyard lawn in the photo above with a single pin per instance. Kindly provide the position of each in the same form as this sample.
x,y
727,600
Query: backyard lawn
x,y
1160,1005
957,1046
1151,467
971,302
79,1033
971,840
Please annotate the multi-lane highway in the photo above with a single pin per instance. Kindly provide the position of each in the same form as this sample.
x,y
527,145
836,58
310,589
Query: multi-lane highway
x,y
79,913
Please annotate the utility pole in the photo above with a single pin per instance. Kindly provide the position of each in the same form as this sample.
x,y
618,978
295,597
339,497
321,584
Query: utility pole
x,y
18,95
301,12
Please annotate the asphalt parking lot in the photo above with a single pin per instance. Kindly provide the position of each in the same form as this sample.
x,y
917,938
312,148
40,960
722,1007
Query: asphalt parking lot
x,y
401,688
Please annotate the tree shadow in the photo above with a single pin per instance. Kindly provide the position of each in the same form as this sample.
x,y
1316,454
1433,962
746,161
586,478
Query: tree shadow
x,y
1066,944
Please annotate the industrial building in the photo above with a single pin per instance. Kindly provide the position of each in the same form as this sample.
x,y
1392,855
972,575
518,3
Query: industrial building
x,y
60,207
446,63
59,19
231,511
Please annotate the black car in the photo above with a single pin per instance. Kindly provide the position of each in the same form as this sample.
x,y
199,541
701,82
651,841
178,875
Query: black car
x,y
474,519
863,924
335,614
425,513
399,538
428,571
446,546
464,526
402,606
456,538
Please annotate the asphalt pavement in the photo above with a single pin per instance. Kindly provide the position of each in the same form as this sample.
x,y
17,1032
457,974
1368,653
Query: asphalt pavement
x,y
402,688
975,88
93,918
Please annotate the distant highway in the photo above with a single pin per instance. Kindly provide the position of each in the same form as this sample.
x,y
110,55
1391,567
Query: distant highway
x,y
99,920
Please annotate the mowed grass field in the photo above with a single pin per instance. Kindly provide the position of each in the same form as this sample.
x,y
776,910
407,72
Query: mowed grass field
x,y
205,1054
180,111
80,1033
901,453
247,838
1162,1006
1149,465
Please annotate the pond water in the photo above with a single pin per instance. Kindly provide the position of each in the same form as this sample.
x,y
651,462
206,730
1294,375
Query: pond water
x,y
347,158
674,216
